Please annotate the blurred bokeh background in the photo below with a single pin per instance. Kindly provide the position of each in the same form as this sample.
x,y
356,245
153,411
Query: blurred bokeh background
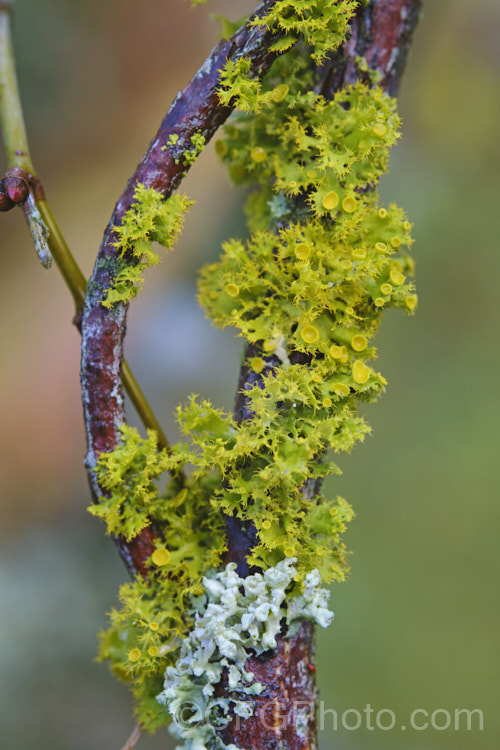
x,y
417,625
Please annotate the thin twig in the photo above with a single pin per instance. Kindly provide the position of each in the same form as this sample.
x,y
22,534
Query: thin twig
x,y
133,739
19,158
11,115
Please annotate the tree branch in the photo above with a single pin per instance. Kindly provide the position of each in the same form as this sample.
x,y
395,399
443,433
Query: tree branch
x,y
382,32
196,110
11,115
133,739
285,712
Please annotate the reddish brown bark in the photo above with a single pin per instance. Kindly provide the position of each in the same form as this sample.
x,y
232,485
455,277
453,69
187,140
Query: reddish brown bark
x,y
135,553
381,32
284,713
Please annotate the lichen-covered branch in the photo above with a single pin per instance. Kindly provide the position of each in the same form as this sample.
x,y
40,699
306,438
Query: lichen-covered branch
x,y
307,292
195,114
284,714
381,33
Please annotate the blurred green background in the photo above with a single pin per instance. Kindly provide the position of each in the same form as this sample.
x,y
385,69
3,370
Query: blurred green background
x,y
417,625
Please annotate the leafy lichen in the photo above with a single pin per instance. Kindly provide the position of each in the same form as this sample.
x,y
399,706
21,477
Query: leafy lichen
x,y
156,612
236,87
321,24
236,617
308,290
129,473
198,144
150,219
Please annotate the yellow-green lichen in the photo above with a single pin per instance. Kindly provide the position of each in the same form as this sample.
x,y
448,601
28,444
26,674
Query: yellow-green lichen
x,y
157,611
198,143
150,219
321,24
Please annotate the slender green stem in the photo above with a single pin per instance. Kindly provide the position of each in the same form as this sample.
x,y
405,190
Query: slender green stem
x,y
70,271
11,115
143,408
18,155
75,281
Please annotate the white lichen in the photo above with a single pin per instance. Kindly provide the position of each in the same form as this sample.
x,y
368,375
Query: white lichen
x,y
236,616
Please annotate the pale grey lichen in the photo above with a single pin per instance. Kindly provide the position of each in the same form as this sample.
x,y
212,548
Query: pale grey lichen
x,y
312,604
235,617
